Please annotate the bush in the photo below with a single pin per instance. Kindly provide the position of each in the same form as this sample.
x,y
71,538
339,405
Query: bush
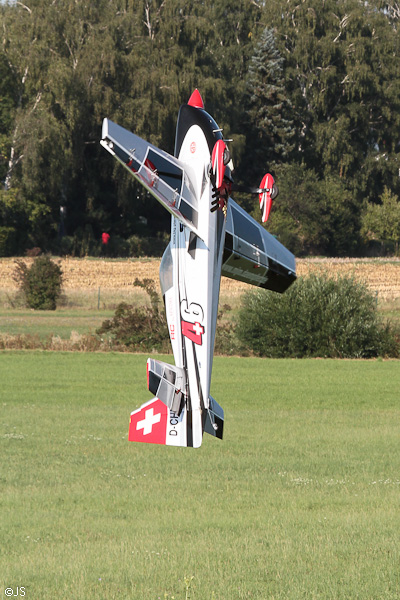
x,y
40,283
317,316
147,246
142,328
226,342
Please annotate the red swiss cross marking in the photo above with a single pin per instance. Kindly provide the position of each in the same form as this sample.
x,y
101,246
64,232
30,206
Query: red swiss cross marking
x,y
193,331
193,147
149,420
149,423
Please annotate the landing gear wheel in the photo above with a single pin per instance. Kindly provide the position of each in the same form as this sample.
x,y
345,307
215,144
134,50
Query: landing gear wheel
x,y
227,156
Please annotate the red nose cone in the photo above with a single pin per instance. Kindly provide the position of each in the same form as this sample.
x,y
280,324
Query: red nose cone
x,y
196,100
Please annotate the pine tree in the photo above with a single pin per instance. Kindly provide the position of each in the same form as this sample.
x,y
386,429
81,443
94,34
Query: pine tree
x,y
271,128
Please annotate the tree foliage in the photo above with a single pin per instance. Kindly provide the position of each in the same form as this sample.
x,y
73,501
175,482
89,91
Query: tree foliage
x,y
381,222
304,88
339,57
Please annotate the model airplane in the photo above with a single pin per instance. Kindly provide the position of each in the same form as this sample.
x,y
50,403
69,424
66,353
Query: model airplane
x,y
210,235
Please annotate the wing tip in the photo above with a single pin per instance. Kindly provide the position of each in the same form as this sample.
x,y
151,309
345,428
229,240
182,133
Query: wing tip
x,y
104,129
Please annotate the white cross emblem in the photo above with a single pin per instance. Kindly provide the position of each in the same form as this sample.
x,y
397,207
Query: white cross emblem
x,y
149,420
198,329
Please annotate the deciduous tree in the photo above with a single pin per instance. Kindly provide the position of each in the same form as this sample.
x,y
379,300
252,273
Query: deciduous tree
x,y
381,222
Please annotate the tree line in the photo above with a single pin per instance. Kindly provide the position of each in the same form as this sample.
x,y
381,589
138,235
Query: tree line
x,y
307,89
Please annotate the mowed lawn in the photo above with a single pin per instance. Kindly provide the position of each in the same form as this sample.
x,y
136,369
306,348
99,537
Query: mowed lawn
x,y
300,500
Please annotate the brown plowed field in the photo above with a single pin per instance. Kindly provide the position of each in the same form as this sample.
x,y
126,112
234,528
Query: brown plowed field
x,y
380,275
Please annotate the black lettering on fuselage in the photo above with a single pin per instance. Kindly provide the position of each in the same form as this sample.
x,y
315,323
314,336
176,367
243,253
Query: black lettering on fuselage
x,y
173,422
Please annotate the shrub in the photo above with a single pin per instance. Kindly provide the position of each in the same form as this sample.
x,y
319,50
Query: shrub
x,y
142,328
147,246
226,342
116,247
66,245
33,252
317,316
40,283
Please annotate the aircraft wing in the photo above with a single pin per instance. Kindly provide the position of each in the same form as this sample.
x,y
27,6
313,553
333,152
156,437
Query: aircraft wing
x,y
163,175
253,255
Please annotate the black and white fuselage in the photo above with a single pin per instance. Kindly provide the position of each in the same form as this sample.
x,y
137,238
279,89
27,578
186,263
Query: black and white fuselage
x,y
194,261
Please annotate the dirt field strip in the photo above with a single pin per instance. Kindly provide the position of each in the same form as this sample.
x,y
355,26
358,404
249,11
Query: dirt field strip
x,y
380,275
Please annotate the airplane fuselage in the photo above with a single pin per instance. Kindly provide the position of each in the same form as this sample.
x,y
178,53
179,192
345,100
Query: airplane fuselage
x,y
190,271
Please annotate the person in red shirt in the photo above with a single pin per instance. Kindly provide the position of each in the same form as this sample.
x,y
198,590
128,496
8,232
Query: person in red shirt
x,y
105,238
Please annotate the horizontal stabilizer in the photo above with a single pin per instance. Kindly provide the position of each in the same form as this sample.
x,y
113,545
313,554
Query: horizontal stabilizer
x,y
155,423
168,383
163,175
214,422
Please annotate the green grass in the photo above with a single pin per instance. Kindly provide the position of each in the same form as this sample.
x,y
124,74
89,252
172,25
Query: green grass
x,y
300,500
45,323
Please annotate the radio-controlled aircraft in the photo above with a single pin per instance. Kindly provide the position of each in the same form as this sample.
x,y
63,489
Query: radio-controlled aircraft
x,y
211,236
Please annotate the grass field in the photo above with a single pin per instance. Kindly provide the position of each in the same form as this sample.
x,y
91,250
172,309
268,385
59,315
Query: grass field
x,y
300,500
48,323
